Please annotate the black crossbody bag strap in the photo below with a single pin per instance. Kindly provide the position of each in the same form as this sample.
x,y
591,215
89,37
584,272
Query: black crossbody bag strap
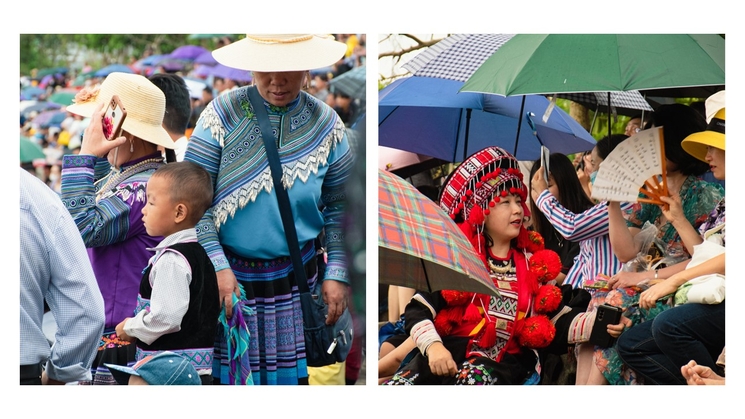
x,y
285,210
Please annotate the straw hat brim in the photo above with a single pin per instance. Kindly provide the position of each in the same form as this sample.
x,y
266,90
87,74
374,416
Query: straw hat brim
x,y
265,53
144,102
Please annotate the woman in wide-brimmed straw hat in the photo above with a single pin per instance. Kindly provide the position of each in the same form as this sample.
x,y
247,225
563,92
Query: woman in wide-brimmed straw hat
x,y
106,204
243,231
660,350
473,339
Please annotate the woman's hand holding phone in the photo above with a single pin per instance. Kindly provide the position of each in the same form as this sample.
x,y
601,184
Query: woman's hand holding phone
x,y
94,141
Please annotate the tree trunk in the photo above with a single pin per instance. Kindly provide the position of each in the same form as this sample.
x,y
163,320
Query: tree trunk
x,y
580,114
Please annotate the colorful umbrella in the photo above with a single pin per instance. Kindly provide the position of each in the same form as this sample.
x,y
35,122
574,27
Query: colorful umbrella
x,y
39,107
420,247
32,92
428,116
113,68
458,56
62,98
49,118
231,73
566,63
404,163
30,151
351,83
205,58
187,52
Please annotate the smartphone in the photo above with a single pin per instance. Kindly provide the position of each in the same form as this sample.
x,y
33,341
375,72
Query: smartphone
x,y
113,118
606,314
545,155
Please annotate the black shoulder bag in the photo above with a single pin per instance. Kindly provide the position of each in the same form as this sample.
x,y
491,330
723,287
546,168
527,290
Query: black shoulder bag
x,y
324,345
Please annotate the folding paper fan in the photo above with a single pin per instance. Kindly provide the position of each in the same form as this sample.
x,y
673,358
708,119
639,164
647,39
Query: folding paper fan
x,y
636,165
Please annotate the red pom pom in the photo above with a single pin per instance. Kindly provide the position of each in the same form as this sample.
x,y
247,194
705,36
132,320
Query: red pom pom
x,y
535,332
546,264
476,217
503,193
455,298
442,323
547,299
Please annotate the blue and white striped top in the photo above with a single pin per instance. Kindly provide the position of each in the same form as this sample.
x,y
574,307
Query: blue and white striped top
x,y
590,229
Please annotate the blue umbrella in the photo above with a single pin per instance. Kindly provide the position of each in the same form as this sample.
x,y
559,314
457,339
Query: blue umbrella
x,y
32,92
429,116
39,107
113,68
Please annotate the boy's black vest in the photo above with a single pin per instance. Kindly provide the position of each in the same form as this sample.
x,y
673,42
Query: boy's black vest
x,y
199,324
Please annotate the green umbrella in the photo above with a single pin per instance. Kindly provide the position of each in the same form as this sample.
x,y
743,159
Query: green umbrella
x,y
566,63
30,151
62,98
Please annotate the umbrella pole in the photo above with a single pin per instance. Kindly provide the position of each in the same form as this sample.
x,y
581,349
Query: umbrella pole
x,y
519,124
426,277
609,120
465,142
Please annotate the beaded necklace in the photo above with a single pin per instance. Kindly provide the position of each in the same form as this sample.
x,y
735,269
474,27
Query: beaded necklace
x,y
114,178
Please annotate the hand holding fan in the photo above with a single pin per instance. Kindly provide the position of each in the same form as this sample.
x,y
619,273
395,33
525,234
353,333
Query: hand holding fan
x,y
636,165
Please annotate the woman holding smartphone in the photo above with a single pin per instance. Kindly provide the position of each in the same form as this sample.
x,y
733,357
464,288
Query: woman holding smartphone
x,y
103,187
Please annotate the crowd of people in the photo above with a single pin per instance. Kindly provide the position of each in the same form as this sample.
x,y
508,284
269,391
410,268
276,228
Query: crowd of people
x,y
138,247
643,258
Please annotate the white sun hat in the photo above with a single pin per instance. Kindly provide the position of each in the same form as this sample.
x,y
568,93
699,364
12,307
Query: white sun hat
x,y
145,104
281,52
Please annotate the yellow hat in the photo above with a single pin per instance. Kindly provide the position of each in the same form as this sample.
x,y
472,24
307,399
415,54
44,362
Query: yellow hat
x,y
697,143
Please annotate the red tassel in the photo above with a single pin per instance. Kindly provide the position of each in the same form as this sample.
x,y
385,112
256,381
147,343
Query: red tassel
x,y
489,336
472,313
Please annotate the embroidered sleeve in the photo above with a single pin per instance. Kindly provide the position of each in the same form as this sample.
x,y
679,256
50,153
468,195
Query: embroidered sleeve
x,y
108,221
205,149
334,198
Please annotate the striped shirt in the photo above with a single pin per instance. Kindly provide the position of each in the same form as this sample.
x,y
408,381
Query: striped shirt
x,y
590,229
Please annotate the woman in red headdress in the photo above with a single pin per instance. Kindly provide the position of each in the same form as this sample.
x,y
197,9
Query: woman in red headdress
x,y
474,339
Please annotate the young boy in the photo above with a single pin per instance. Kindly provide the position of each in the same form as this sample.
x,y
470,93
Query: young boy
x,y
178,302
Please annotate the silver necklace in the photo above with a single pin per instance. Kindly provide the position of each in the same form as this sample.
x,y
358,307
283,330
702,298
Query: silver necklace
x,y
114,179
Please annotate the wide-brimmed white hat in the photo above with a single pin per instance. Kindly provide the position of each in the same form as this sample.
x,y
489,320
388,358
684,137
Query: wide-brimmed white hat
x,y
281,52
145,104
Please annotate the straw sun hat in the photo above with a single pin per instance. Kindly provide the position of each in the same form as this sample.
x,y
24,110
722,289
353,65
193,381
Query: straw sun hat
x,y
281,52
697,143
145,104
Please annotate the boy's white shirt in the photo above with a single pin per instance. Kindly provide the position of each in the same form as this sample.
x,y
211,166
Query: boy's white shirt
x,y
169,277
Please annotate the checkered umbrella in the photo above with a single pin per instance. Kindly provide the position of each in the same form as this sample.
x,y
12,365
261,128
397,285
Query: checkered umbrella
x,y
420,247
458,56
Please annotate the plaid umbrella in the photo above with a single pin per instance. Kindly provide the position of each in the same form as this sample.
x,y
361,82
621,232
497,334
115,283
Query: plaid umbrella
x,y
420,247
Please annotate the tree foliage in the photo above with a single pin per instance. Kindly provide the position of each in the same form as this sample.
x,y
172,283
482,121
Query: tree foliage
x,y
98,50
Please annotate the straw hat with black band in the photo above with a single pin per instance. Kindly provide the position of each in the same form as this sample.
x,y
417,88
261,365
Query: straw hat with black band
x,y
145,104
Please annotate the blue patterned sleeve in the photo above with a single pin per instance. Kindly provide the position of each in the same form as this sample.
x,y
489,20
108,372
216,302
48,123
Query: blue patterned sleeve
x,y
204,149
334,198
102,223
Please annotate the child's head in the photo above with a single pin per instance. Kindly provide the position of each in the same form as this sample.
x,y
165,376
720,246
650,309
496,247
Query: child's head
x,y
178,195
